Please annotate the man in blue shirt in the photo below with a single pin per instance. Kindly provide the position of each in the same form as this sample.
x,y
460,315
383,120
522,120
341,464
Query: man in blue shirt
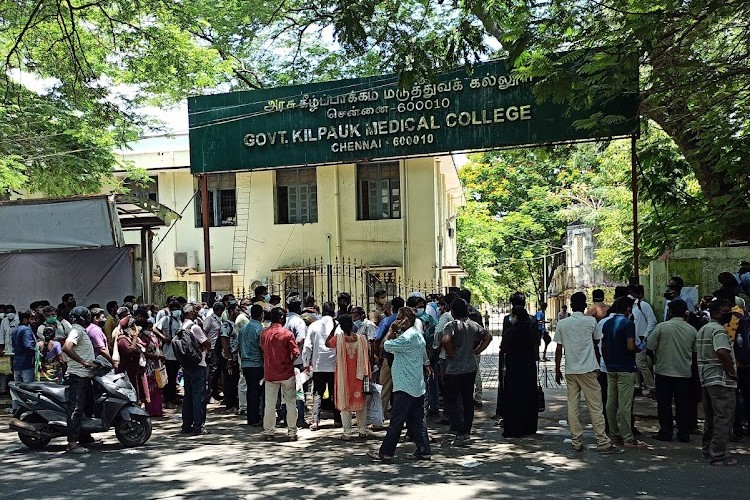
x,y
384,361
409,361
23,342
251,363
619,357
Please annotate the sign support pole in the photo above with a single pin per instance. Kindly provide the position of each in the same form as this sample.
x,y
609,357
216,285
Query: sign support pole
x,y
634,189
206,233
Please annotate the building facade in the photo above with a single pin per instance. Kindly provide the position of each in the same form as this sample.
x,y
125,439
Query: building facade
x,y
320,230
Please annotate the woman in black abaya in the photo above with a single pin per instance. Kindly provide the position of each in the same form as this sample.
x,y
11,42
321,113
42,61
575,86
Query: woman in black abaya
x,y
520,345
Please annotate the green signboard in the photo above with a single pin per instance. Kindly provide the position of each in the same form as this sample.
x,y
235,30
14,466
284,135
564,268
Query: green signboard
x,y
372,118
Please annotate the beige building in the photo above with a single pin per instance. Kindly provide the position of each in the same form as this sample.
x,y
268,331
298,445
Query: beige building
x,y
380,225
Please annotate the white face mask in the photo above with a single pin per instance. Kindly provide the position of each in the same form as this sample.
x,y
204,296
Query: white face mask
x,y
11,316
420,311
176,314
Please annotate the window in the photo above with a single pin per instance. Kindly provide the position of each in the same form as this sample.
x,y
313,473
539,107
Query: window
x,y
222,201
150,191
296,196
378,191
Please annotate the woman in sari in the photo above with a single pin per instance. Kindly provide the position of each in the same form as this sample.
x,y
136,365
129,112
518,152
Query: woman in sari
x,y
352,366
520,346
132,353
154,360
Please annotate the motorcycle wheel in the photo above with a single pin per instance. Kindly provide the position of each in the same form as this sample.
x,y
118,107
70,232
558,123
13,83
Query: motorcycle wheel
x,y
133,432
30,441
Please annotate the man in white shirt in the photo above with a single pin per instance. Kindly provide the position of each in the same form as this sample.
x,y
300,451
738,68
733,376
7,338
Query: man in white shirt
x,y
579,337
212,330
196,390
645,322
298,327
322,361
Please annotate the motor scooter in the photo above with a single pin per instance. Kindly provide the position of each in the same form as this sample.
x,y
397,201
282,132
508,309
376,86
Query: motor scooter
x,y
42,409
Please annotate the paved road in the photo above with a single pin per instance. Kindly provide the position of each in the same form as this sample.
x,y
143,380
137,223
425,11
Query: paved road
x,y
235,463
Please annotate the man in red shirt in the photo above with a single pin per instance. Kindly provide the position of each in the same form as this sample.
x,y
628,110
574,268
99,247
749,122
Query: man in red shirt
x,y
280,349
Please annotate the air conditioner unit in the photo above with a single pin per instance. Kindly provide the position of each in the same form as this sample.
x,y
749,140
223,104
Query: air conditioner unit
x,y
186,260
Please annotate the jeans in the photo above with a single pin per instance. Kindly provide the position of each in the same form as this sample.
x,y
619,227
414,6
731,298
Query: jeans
x,y
194,402
668,388
78,393
460,387
242,391
22,376
170,390
433,391
289,395
321,380
587,384
231,380
620,389
213,361
718,405
602,378
386,380
407,410
253,376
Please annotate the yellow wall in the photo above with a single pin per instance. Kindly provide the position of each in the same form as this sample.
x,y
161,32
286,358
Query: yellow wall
x,y
431,194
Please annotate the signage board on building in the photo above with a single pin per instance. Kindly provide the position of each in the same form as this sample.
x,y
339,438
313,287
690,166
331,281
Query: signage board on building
x,y
374,118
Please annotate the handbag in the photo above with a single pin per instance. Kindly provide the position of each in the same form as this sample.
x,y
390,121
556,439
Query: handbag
x,y
161,375
367,385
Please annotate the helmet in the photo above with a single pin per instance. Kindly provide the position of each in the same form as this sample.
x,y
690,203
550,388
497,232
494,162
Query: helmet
x,y
80,315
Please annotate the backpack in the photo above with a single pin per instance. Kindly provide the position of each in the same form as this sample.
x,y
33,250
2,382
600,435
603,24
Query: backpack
x,y
742,339
186,349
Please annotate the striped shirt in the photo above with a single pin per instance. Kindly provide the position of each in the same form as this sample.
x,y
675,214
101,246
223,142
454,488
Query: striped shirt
x,y
711,338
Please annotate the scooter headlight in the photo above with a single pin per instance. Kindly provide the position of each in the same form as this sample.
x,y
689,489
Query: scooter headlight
x,y
128,393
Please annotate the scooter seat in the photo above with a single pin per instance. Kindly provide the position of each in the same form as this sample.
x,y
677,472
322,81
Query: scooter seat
x,y
53,391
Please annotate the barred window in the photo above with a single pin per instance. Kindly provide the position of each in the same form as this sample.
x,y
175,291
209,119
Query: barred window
x,y
222,201
296,196
378,191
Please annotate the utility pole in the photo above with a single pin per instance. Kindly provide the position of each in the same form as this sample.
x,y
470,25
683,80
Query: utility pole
x,y
206,233
634,189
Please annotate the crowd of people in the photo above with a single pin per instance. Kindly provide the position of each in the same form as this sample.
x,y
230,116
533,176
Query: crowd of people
x,y
698,353
288,362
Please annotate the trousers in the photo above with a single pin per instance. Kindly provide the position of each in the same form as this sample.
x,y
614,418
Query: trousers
x,y
587,384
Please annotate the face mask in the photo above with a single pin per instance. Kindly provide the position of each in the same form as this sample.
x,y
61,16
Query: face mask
x,y
176,314
726,318
101,323
267,297
52,320
11,316
420,311
358,323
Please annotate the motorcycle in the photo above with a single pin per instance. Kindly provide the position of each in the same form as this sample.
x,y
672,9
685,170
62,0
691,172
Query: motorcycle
x,y
42,411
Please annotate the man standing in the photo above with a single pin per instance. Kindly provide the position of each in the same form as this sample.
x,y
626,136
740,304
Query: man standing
x,y
239,324
619,356
98,340
541,321
251,360
385,378
212,330
322,361
719,380
645,322
408,348
230,366
673,343
80,352
344,302
675,290
463,340
279,352
578,337
165,330
599,310
23,342
298,327
196,379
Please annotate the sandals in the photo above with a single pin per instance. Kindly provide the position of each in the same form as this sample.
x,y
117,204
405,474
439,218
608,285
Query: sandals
x,y
636,443
78,450
724,462
376,456
610,450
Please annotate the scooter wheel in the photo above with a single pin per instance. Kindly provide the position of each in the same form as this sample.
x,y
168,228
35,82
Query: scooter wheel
x,y
133,432
30,441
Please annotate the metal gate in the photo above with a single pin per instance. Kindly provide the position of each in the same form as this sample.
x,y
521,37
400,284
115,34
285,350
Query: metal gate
x,y
325,281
